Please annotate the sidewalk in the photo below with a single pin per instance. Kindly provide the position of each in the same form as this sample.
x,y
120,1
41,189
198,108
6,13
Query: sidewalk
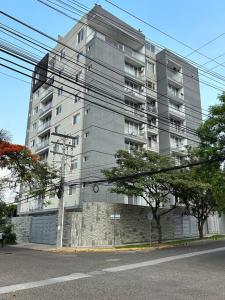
x,y
33,246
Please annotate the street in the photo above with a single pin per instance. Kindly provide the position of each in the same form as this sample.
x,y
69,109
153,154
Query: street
x,y
183,272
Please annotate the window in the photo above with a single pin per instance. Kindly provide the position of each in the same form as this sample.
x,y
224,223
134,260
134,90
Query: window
x,y
36,110
85,158
75,140
74,164
37,93
34,126
58,110
152,122
150,85
62,54
70,190
86,134
32,143
131,146
151,67
132,128
76,119
150,47
61,72
86,112
78,76
77,98
60,91
89,68
57,128
174,91
88,48
80,36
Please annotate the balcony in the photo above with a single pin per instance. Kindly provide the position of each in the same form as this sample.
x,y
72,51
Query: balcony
x,y
180,113
177,97
44,126
46,95
134,57
45,109
178,149
151,109
175,78
136,76
42,145
178,129
152,129
140,137
133,93
136,113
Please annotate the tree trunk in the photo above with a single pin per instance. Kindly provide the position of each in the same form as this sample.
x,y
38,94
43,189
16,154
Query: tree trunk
x,y
159,228
200,229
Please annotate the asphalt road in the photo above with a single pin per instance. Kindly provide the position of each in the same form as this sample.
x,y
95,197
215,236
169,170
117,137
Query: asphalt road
x,y
184,273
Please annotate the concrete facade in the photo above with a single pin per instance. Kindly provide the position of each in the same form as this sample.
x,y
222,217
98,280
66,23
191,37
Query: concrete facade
x,y
109,88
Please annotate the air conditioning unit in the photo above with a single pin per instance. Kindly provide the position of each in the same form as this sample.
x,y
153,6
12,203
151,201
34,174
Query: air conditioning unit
x,y
142,69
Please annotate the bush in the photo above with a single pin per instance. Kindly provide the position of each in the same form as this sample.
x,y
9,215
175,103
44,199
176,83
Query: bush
x,y
10,237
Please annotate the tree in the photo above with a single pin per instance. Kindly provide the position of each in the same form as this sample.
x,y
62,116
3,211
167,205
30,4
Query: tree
x,y
25,169
212,132
156,189
201,189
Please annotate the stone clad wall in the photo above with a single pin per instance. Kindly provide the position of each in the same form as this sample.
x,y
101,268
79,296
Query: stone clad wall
x,y
22,228
93,225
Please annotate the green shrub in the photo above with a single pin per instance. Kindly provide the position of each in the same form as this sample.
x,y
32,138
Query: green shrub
x,y
10,237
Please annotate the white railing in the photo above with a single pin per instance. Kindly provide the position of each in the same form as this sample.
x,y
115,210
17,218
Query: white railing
x,y
177,112
178,95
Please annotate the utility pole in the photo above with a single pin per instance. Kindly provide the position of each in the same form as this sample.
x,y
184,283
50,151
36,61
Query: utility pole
x,y
60,193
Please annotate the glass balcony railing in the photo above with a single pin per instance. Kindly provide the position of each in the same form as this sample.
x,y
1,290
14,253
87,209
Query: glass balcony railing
x,y
44,126
45,109
42,145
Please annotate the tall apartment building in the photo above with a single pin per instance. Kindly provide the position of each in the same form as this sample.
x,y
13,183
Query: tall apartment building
x,y
109,88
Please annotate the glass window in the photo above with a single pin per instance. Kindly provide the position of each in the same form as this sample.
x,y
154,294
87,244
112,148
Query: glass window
x,y
75,140
80,36
74,164
58,109
60,91
62,54
151,66
76,119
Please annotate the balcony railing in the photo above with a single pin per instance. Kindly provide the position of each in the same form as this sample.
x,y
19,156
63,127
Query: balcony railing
x,y
135,112
175,76
177,112
151,109
44,126
152,128
178,148
46,93
178,96
136,75
177,129
42,145
135,55
45,109
135,93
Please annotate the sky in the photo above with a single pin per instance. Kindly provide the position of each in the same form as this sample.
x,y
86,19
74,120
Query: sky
x,y
192,22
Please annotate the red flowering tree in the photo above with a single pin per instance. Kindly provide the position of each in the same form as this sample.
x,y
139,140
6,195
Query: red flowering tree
x,y
25,169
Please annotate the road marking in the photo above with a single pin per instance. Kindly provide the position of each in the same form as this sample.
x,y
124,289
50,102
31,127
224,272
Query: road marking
x,y
160,260
113,259
75,276
30,285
